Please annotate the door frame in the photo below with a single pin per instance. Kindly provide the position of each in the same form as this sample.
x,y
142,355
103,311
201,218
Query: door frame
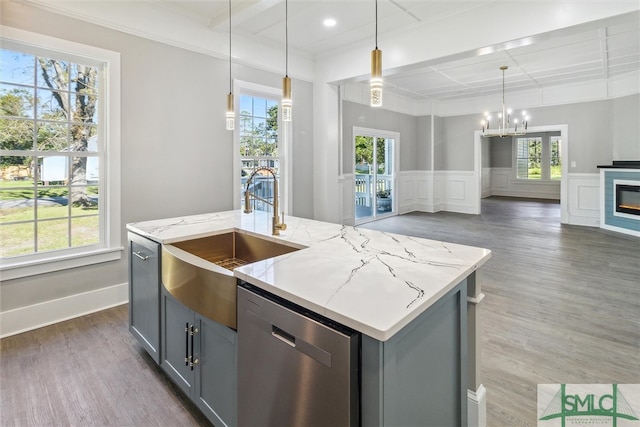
x,y
378,133
564,149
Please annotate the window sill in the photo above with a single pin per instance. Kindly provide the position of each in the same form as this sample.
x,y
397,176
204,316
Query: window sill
x,y
18,270
536,181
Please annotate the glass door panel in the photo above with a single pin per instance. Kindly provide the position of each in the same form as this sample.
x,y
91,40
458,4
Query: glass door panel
x,y
384,176
374,177
364,177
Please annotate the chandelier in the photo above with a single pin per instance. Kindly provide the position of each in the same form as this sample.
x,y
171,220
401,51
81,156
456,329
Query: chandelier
x,y
503,121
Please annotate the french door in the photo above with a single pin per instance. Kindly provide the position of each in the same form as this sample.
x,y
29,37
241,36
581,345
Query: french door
x,y
374,174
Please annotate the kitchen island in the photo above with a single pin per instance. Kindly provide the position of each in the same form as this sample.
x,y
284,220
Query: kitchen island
x,y
407,296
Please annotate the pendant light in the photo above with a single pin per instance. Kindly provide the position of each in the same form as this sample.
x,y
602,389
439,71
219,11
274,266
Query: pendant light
x,y
286,81
376,71
503,124
231,114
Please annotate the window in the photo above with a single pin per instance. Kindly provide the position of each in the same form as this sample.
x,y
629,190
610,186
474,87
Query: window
x,y
556,158
538,158
529,158
259,147
260,142
56,195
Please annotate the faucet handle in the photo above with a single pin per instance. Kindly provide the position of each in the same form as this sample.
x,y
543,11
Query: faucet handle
x,y
283,226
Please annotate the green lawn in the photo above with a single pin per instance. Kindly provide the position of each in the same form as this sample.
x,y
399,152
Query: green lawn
x,y
58,226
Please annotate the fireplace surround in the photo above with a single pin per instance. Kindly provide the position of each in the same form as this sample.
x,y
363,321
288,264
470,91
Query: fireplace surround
x,y
627,198
620,197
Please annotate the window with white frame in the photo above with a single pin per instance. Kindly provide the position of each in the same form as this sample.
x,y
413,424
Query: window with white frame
x,y
260,142
538,157
57,197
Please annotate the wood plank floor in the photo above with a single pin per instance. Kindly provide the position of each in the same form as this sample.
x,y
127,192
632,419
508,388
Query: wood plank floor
x,y
87,372
562,305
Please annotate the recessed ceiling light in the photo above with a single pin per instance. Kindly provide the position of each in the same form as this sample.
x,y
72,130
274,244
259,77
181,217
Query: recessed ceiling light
x,y
329,22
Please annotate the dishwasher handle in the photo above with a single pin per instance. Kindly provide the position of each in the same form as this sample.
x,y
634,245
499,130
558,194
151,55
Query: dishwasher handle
x,y
283,336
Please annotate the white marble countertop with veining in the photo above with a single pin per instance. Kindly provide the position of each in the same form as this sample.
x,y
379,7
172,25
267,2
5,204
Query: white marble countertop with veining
x,y
371,281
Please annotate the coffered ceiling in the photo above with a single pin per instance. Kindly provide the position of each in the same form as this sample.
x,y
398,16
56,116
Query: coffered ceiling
x,y
600,49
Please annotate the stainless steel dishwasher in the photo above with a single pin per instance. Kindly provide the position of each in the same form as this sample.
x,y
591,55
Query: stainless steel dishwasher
x,y
295,368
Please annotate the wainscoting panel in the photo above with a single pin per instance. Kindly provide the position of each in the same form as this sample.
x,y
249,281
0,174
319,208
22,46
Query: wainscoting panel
x,y
346,186
499,179
486,182
584,199
406,191
423,191
424,200
457,190
504,183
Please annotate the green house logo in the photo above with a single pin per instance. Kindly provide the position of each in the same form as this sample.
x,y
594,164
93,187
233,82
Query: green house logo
x,y
588,405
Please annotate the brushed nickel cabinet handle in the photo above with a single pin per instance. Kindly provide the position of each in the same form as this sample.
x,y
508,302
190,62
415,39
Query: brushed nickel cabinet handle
x,y
142,257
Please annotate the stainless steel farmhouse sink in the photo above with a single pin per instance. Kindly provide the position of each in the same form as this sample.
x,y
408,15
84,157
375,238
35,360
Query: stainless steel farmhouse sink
x,y
199,272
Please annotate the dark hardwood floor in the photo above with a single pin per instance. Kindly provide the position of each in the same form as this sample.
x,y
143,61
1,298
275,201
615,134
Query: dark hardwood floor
x,y
562,305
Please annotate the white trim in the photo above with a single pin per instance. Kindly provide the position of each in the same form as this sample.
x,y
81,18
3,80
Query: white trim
x,y
476,300
584,199
57,263
620,230
241,87
564,150
456,191
603,190
617,182
110,178
477,407
46,313
477,172
377,133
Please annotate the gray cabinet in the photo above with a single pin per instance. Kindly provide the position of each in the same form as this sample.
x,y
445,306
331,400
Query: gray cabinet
x,y
418,377
144,293
200,356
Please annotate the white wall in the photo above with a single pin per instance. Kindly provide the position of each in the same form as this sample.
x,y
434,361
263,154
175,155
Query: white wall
x,y
626,133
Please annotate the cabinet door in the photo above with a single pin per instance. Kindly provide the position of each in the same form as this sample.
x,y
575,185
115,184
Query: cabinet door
x,y
144,293
177,342
216,376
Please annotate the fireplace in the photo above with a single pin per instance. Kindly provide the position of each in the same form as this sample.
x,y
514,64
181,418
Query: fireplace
x,y
627,199
620,197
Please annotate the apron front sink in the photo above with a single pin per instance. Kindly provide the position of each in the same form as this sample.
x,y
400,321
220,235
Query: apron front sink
x,y
199,272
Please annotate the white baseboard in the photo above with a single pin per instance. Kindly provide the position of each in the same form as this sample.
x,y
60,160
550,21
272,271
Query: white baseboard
x,y
585,221
477,407
46,313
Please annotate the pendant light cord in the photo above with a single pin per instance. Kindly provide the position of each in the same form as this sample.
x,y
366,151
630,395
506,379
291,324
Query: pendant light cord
x,y
286,38
376,24
230,82
503,91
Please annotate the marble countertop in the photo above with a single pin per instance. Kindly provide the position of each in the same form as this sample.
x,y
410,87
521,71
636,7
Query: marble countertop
x,y
371,281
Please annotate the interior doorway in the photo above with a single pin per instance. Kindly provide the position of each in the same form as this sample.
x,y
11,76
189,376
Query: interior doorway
x,y
563,147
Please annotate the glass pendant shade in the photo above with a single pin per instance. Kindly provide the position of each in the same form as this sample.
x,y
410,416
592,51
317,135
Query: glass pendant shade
x,y
231,115
376,78
286,99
